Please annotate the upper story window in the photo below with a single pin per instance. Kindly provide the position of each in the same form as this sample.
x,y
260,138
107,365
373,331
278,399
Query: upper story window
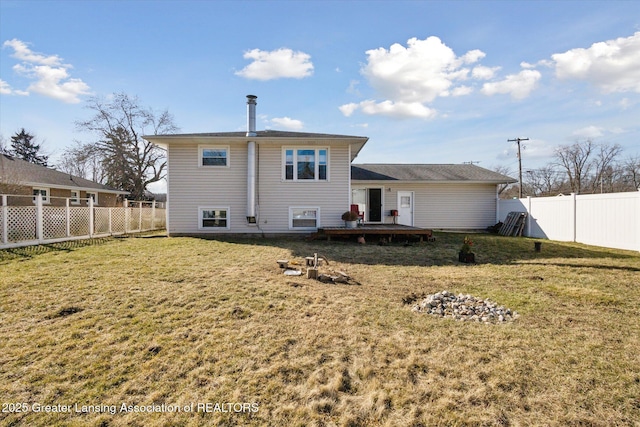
x,y
214,156
306,164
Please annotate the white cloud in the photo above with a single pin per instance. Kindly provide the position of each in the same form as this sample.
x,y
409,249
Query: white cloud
x,y
420,72
23,53
390,109
412,76
592,132
348,109
275,64
612,66
49,75
462,90
481,72
588,132
6,89
287,123
626,103
519,85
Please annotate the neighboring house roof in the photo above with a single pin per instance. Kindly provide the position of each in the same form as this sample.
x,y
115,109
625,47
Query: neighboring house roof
x,y
427,173
30,174
277,136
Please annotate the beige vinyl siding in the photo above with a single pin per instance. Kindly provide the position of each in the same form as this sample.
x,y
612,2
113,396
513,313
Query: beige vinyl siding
x,y
191,187
277,195
442,205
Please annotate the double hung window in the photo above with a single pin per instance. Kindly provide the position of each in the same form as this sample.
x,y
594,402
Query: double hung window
x,y
306,164
304,218
212,218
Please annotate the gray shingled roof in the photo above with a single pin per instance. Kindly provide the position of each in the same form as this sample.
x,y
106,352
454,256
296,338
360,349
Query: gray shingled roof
x,y
270,133
27,173
426,172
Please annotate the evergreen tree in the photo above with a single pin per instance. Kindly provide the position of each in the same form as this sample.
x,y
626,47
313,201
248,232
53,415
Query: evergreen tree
x,y
23,147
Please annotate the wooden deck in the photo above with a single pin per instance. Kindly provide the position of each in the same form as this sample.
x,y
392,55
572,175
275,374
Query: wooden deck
x,y
390,231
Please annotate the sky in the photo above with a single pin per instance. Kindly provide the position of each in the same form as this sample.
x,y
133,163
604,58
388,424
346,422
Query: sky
x,y
425,81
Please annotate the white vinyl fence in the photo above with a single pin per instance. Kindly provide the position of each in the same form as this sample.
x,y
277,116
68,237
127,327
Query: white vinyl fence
x,y
608,220
41,224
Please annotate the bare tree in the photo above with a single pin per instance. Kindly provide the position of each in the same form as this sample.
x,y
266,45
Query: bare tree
x,y
3,145
631,173
545,181
576,161
604,166
129,162
83,160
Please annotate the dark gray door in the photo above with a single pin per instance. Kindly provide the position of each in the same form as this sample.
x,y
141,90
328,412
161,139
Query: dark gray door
x,y
375,204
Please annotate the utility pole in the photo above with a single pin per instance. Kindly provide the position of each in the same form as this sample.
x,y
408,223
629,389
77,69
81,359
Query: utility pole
x,y
519,163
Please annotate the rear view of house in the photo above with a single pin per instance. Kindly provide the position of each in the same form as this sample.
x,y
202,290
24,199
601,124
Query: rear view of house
x,y
273,182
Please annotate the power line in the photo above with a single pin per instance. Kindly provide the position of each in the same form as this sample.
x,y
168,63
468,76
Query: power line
x,y
519,163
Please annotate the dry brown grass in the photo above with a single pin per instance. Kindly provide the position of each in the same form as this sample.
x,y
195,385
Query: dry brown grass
x,y
145,321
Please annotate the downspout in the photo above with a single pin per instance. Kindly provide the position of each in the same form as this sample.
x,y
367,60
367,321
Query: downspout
x,y
251,159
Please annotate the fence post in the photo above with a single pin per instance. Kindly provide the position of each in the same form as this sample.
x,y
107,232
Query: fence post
x,y
140,215
68,219
39,219
5,217
638,225
110,221
153,215
529,216
91,215
126,215
573,217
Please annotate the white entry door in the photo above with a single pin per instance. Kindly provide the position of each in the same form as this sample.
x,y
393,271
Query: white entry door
x,y
405,207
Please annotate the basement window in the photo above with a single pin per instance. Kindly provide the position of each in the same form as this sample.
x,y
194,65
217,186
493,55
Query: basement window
x,y
304,218
216,156
213,218
305,164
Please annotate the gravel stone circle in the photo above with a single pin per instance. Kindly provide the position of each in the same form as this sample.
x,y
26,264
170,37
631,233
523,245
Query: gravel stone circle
x,y
464,308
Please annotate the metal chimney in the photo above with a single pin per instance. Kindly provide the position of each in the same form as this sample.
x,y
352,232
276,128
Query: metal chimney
x,y
251,159
251,115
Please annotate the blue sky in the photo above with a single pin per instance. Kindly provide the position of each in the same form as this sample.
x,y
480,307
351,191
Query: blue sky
x,y
426,81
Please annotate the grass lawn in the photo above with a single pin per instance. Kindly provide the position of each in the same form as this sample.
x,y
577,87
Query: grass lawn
x,y
180,323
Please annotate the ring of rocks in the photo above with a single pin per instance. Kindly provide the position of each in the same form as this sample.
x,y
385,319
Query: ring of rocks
x,y
461,307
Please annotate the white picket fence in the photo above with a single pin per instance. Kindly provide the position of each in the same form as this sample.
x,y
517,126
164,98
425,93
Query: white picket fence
x,y
43,224
608,220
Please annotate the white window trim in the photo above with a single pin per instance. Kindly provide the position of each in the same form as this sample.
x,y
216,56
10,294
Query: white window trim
x,y
75,200
95,199
295,169
201,148
292,208
211,208
46,199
